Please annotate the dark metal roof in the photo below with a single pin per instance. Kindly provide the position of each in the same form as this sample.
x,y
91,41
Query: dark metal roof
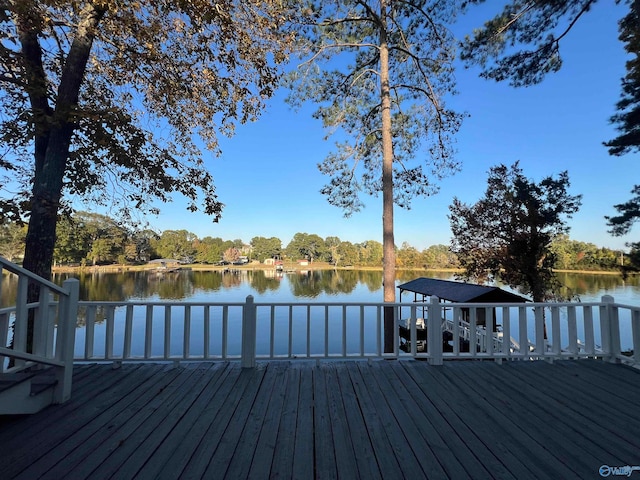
x,y
459,292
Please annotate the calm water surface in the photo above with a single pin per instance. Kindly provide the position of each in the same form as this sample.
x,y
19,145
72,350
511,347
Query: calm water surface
x,y
313,285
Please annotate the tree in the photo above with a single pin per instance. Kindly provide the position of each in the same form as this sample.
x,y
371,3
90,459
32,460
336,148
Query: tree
x,y
629,213
209,250
371,252
142,239
12,236
231,255
628,117
305,245
508,233
72,242
332,244
439,256
104,96
408,256
263,248
388,66
104,237
540,27
176,244
348,253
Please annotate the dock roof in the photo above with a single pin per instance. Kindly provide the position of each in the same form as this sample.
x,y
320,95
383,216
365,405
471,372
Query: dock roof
x,y
459,292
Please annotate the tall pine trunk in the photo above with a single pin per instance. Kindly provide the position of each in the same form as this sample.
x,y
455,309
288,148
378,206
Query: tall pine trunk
x,y
388,243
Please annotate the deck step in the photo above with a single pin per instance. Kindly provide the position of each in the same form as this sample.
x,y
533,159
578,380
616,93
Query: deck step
x,y
26,392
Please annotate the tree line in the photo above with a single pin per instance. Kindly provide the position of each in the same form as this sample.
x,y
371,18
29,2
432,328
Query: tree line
x,y
93,239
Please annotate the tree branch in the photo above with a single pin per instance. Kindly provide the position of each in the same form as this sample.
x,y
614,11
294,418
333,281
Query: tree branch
x,y
28,26
426,15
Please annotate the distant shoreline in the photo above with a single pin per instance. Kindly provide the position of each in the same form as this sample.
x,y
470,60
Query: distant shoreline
x,y
287,267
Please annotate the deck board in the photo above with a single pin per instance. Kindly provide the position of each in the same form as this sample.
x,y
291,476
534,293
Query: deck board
x,y
451,407
436,457
345,457
599,414
508,399
332,419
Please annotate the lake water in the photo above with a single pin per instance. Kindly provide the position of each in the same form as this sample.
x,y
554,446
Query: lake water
x,y
313,285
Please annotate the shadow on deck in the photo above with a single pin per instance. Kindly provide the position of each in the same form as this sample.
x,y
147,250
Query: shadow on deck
x,y
389,419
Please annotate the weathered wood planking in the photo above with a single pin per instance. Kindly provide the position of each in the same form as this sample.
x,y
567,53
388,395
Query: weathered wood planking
x,y
303,419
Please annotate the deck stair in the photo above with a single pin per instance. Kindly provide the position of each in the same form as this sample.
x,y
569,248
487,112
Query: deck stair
x,y
36,372
26,392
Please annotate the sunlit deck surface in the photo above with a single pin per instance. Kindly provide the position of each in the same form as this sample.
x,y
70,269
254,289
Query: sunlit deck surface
x,y
380,419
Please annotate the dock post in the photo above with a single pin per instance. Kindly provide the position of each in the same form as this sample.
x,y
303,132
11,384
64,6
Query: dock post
x,y
248,334
434,332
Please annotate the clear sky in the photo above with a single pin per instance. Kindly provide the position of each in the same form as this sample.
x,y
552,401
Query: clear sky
x,y
268,179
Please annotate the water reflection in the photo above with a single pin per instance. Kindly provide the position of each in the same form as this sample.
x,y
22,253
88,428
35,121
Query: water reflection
x,y
362,285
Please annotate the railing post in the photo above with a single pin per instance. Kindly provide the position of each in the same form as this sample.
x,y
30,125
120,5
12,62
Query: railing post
x,y
65,339
434,332
610,329
20,326
635,333
248,334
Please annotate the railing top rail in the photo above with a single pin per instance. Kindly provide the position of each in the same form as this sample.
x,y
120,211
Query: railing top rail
x,y
13,268
157,303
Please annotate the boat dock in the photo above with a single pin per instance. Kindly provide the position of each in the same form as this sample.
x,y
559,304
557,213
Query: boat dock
x,y
332,419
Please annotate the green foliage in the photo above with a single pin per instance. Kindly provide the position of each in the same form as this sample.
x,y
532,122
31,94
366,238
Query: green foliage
x,y
627,119
347,254
629,213
576,255
176,244
634,258
209,250
522,45
439,256
12,237
408,256
508,233
84,236
100,100
307,246
370,253
343,75
538,27
90,238
263,248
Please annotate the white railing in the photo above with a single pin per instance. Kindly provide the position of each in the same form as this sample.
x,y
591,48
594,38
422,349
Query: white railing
x,y
250,331
53,327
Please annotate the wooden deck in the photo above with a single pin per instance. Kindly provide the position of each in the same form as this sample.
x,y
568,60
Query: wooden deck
x,y
381,419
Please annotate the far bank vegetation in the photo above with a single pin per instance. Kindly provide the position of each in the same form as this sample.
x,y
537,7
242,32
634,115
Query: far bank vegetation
x,y
90,239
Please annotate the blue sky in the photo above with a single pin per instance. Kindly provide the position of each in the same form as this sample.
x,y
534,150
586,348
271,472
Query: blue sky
x,y
268,179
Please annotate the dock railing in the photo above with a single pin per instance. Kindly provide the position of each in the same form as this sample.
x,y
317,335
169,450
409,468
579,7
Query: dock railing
x,y
250,331
54,323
